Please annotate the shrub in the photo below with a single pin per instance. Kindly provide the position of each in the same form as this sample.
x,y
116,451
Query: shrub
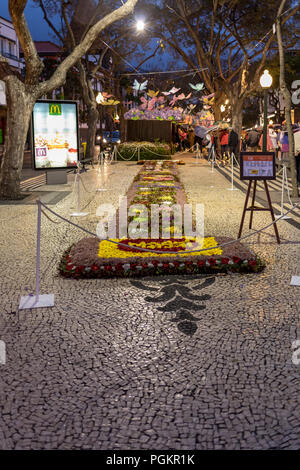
x,y
147,151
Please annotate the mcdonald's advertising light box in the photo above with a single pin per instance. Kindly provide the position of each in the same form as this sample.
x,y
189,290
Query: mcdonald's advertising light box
x,y
55,134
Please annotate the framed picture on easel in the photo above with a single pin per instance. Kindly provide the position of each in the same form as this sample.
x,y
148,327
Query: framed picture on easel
x,y
254,167
257,166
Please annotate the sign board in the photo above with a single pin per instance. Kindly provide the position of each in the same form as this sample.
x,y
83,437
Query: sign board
x,y
257,166
55,134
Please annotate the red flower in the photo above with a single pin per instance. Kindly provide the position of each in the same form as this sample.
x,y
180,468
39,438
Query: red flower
x,y
94,267
107,268
119,266
69,267
188,263
176,263
165,265
252,262
145,265
212,261
236,259
201,262
79,269
225,260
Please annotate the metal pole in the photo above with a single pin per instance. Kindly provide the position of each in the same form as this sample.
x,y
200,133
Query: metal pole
x,y
78,193
232,171
38,251
265,119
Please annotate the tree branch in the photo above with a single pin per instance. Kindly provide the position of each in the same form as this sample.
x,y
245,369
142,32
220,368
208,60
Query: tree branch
x,y
59,75
34,65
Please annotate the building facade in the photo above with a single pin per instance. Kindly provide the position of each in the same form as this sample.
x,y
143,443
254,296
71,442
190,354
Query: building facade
x,y
9,48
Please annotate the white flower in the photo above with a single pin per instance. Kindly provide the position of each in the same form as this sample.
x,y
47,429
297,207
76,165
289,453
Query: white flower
x,y
230,262
126,267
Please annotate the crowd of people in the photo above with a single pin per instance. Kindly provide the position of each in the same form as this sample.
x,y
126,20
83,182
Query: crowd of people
x,y
277,140
226,141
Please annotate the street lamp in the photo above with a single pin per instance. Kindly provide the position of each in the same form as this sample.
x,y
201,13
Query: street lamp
x,y
140,25
265,81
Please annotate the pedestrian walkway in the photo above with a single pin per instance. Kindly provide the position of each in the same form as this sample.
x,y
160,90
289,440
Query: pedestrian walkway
x,y
108,367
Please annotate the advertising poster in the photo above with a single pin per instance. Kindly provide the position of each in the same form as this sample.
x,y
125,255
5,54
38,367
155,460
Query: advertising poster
x,y
258,165
55,134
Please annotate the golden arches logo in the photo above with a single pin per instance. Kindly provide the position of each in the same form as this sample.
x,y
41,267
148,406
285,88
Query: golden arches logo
x,y
55,109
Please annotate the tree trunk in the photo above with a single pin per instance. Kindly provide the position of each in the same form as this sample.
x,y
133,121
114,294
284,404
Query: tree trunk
x,y
237,118
19,108
218,101
92,121
287,105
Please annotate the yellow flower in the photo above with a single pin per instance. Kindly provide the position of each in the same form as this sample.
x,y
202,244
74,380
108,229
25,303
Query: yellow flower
x,y
110,250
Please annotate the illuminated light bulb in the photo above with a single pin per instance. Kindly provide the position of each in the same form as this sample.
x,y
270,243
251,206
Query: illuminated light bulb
x,y
140,25
266,79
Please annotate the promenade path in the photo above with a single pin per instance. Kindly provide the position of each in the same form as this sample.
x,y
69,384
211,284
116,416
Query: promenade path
x,y
107,367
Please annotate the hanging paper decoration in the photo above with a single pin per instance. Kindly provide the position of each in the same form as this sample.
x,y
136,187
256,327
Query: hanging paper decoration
x,y
152,93
171,92
110,102
197,87
139,87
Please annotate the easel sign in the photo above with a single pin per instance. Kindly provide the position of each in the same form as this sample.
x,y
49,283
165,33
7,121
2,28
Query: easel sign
x,y
257,166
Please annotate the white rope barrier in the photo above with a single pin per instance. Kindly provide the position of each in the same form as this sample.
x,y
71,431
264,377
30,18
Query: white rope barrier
x,y
170,252
126,159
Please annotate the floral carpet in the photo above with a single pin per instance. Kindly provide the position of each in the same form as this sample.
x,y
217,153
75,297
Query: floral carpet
x,y
157,183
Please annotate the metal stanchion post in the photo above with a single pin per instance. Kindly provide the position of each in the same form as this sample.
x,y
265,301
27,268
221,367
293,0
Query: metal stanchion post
x,y
284,185
197,153
37,300
78,213
232,187
100,175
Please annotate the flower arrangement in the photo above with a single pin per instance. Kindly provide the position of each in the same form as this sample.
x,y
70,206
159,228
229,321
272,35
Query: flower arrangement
x,y
122,257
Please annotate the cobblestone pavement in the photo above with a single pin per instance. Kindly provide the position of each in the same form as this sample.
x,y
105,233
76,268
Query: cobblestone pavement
x,y
108,367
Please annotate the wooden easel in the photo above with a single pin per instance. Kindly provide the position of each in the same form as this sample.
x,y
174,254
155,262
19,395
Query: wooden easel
x,y
253,208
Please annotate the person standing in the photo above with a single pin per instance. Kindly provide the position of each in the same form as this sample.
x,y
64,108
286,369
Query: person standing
x,y
200,135
233,141
284,143
223,136
182,138
252,141
191,137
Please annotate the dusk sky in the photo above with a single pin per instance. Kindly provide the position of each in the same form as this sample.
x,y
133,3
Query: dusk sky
x,y
40,31
37,26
